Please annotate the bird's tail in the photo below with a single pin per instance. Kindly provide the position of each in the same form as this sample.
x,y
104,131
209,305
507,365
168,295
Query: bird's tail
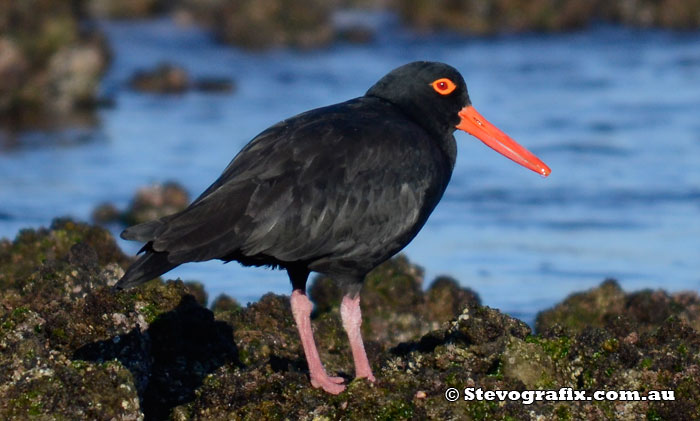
x,y
149,266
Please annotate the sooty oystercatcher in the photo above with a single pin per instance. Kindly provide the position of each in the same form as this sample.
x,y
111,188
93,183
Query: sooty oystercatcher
x,y
336,190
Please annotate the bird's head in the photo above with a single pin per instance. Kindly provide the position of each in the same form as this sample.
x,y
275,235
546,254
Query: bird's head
x,y
435,96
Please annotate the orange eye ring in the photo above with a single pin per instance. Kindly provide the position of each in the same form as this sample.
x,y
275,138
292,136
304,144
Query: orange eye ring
x,y
444,86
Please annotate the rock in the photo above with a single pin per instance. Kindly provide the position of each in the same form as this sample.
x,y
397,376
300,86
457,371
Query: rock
x,y
13,66
106,213
496,16
445,299
353,24
67,339
155,201
260,24
74,75
528,363
22,262
196,289
43,274
224,303
124,9
150,202
214,85
610,307
71,348
585,309
355,34
395,308
671,14
166,78
50,66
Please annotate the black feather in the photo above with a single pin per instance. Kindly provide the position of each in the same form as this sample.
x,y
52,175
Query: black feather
x,y
336,190
149,266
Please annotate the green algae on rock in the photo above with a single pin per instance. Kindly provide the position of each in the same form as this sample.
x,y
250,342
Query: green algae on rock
x,y
72,349
608,305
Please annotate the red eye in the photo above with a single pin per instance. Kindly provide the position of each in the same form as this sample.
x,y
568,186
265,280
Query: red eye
x,y
444,86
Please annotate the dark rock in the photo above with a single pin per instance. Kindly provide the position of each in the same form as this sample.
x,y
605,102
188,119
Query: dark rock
x,y
445,299
584,309
166,78
150,202
672,14
355,34
106,213
49,66
214,85
325,294
395,308
155,201
125,9
224,303
13,65
196,290
33,251
495,16
608,306
71,348
73,76
258,24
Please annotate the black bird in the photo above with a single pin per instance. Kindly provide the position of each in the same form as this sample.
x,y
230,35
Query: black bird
x,y
336,190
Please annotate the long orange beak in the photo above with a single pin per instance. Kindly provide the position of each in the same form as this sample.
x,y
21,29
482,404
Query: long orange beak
x,y
473,123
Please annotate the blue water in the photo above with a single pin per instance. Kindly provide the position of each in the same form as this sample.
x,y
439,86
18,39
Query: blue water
x,y
614,112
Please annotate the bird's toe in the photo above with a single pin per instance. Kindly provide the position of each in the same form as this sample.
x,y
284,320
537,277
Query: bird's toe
x,y
369,377
328,384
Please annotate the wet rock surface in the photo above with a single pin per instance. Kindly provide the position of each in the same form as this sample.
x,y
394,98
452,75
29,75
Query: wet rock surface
x,y
165,78
168,78
72,349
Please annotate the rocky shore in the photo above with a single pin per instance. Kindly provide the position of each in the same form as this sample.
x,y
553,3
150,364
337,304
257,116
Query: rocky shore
x,y
259,24
72,349
51,62
52,57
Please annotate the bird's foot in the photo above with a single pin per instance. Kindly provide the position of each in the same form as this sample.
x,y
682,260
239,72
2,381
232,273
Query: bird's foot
x,y
369,376
332,385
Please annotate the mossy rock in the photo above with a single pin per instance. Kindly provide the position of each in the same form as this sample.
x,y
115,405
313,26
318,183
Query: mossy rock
x,y
70,348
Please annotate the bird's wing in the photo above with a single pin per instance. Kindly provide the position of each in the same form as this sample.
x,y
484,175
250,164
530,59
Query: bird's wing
x,y
324,183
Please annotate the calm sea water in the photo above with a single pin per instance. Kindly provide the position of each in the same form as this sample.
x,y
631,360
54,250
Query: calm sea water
x,y
614,112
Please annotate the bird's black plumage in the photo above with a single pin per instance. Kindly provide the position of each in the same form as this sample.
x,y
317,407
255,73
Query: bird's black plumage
x,y
338,189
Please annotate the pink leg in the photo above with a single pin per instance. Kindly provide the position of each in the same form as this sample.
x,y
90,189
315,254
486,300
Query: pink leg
x,y
301,309
352,320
